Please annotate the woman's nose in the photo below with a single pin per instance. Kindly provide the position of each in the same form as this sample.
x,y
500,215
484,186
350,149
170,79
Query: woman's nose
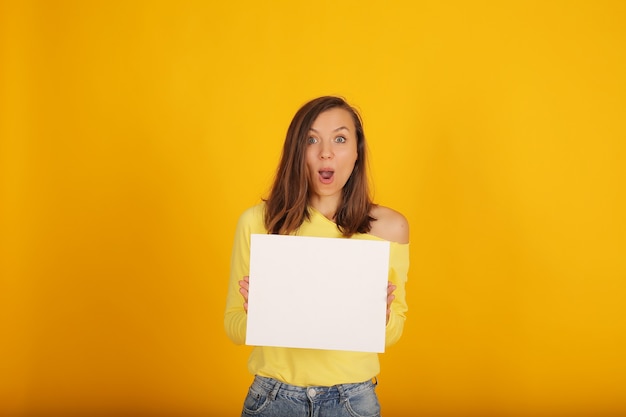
x,y
326,152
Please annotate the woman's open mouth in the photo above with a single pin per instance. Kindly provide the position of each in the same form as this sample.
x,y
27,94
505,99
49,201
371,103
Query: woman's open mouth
x,y
326,176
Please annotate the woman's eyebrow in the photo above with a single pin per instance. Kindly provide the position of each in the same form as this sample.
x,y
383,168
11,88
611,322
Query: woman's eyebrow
x,y
335,130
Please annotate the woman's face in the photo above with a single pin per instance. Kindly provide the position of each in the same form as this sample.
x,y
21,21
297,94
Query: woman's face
x,y
331,152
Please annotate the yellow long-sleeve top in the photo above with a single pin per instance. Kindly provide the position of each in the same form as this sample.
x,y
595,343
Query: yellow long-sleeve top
x,y
306,367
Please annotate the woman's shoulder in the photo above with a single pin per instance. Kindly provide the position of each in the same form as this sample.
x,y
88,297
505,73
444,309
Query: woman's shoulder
x,y
389,224
255,210
252,216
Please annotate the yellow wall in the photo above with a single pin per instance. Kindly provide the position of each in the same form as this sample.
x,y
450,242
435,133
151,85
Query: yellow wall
x,y
132,134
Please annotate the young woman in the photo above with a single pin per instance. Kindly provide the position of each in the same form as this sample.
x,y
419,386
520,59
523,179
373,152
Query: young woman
x,y
320,189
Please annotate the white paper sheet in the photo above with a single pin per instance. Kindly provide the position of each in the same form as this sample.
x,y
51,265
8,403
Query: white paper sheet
x,y
319,293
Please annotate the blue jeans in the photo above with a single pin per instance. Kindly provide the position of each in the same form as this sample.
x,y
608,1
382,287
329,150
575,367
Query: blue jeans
x,y
268,397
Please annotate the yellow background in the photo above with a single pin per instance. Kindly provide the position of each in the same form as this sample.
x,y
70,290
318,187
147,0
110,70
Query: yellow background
x,y
133,133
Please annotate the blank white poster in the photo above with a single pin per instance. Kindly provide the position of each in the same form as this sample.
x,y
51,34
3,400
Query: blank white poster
x,y
318,293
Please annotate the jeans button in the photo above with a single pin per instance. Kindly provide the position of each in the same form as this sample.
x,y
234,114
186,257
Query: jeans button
x,y
312,392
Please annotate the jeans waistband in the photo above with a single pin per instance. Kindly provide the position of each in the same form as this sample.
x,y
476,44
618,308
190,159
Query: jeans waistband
x,y
313,392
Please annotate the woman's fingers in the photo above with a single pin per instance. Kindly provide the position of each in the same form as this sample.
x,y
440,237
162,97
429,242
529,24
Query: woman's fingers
x,y
244,285
390,297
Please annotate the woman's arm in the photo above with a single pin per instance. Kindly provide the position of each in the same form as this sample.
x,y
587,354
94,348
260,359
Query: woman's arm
x,y
235,316
393,226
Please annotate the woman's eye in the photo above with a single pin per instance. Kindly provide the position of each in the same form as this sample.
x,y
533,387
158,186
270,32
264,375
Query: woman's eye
x,y
340,139
311,140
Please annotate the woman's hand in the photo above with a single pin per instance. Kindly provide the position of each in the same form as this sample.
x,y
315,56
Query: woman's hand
x,y
244,285
390,297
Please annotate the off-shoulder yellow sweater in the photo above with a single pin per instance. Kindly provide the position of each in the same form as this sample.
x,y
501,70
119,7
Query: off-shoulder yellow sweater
x,y
306,367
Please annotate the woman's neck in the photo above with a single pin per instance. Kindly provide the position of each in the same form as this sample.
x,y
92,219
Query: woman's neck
x,y
325,205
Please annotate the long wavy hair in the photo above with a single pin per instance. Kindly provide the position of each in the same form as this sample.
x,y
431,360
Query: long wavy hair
x,y
286,208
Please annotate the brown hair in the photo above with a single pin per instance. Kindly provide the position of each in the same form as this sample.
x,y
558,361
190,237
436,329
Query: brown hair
x,y
287,205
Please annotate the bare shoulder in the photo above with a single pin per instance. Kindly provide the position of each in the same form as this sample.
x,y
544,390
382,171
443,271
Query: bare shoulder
x,y
389,225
